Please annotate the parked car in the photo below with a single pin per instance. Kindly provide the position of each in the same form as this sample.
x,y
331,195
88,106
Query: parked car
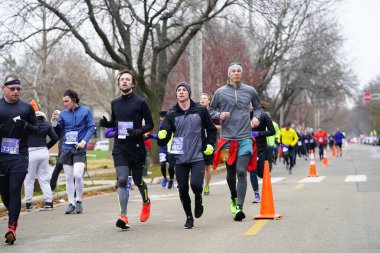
x,y
102,145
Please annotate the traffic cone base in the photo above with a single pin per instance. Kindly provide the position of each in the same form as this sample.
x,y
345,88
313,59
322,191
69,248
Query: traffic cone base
x,y
275,216
267,205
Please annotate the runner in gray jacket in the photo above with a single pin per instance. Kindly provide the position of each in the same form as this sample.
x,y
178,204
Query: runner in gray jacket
x,y
234,101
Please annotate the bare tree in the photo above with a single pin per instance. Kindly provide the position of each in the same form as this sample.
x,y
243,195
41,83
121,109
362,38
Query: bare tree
x,y
142,31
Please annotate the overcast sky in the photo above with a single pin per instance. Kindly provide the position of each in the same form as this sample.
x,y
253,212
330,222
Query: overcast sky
x,y
361,27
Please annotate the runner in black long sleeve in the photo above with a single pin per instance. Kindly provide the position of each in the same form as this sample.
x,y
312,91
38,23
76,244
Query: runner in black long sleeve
x,y
128,112
17,120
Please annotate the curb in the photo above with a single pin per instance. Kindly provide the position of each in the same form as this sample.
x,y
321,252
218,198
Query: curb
x,y
59,195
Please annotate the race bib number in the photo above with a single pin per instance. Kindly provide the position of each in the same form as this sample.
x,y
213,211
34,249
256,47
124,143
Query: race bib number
x,y
284,149
311,141
71,137
122,129
306,141
299,143
320,139
10,146
177,146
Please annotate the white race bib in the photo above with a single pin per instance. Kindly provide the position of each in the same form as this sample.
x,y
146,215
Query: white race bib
x,y
10,146
71,137
122,129
177,146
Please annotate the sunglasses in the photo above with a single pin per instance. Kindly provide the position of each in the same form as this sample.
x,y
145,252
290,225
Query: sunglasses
x,y
14,88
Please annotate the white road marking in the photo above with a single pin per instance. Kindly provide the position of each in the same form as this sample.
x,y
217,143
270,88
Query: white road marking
x,y
312,179
356,178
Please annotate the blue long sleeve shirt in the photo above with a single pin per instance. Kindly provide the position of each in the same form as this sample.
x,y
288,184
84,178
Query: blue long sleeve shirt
x,y
76,126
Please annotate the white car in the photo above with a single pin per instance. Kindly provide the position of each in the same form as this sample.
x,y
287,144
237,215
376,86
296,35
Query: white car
x,y
102,145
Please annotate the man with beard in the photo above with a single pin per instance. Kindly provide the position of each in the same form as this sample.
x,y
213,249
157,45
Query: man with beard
x,y
128,113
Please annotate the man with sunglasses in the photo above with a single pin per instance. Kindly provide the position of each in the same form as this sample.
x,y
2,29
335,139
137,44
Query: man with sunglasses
x,y
17,121
233,101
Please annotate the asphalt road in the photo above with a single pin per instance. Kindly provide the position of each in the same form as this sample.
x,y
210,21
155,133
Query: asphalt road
x,y
335,212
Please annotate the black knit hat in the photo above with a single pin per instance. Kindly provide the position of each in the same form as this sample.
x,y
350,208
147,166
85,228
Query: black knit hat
x,y
184,84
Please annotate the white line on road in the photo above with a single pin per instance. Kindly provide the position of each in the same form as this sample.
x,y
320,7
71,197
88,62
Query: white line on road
x,y
312,179
356,178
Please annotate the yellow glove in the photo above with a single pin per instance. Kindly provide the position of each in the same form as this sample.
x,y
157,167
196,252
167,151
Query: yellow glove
x,y
162,134
209,150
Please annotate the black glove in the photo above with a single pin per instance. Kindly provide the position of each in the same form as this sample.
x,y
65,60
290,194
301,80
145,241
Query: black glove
x,y
21,123
103,122
148,136
134,132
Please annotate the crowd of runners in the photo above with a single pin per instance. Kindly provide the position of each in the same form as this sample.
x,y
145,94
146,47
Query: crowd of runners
x,y
232,127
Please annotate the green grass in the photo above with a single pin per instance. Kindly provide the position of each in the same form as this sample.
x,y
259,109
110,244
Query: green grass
x,y
154,171
99,154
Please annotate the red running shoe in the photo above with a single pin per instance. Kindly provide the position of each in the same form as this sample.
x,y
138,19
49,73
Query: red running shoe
x,y
145,211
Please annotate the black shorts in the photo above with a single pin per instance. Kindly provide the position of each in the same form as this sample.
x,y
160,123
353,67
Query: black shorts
x,y
71,156
129,155
209,159
19,164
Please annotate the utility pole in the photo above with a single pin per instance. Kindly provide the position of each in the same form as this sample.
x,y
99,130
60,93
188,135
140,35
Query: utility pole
x,y
196,77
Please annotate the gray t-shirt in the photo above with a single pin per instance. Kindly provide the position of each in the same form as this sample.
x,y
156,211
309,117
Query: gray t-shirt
x,y
238,103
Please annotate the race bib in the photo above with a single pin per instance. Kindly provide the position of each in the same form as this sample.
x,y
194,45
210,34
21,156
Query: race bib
x,y
71,137
311,141
10,146
177,146
122,128
299,143
284,149
306,141
320,139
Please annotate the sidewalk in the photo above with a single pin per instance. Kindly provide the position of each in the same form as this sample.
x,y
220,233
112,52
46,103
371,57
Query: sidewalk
x,y
102,185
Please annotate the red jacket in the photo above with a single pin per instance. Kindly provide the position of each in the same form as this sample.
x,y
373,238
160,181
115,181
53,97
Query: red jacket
x,y
320,137
233,150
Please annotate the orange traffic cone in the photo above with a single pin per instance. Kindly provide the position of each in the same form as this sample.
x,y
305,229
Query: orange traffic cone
x,y
313,168
325,161
267,205
333,151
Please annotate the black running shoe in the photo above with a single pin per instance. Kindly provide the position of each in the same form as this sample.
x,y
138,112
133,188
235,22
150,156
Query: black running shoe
x,y
240,215
10,236
189,223
29,207
122,222
47,207
198,209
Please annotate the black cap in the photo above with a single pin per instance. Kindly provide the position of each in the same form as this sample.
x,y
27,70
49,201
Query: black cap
x,y
184,84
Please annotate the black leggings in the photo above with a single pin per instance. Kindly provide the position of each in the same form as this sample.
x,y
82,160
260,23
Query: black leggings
x,y
197,170
54,177
12,175
170,169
